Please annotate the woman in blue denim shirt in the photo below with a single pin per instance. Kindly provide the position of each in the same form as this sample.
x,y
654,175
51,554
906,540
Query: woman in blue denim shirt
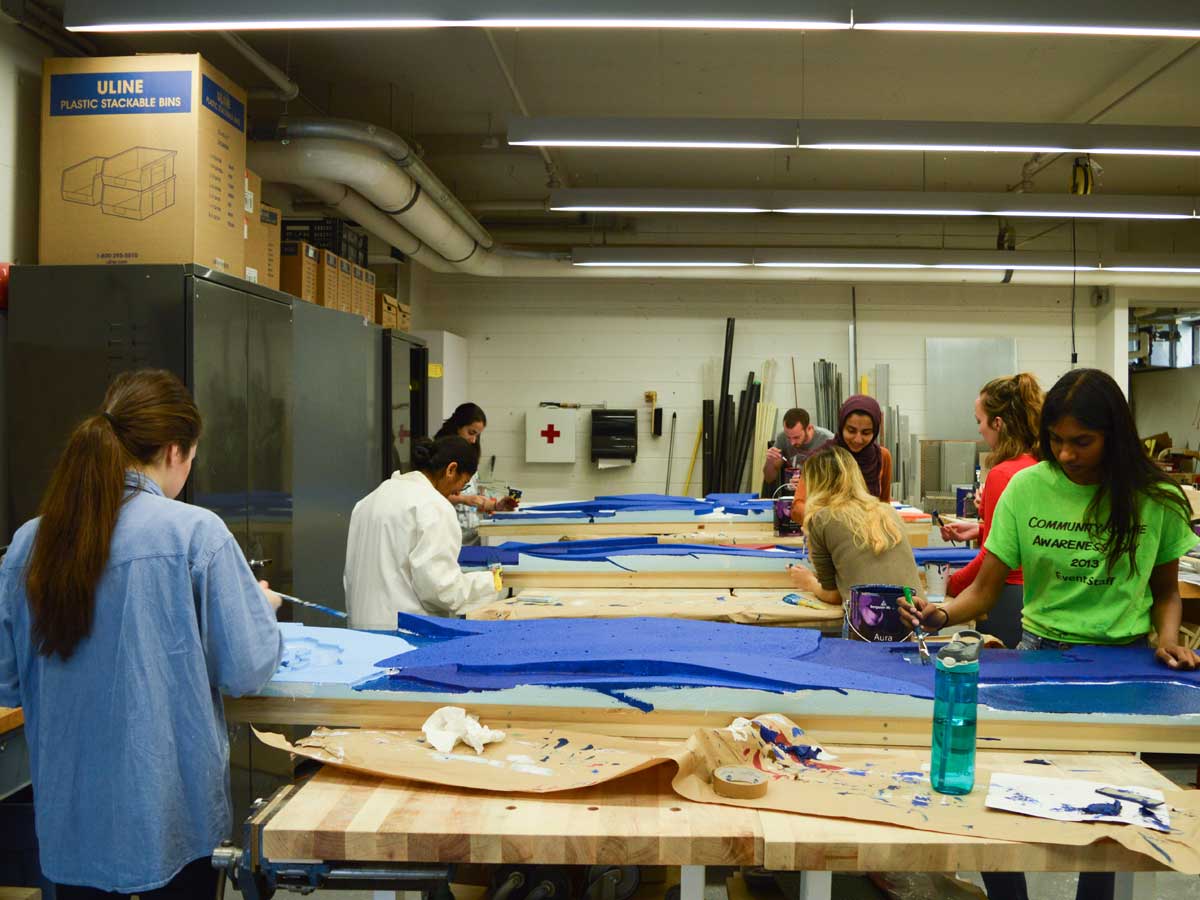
x,y
124,616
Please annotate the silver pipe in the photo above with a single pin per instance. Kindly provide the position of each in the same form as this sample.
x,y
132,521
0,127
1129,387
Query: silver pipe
x,y
286,88
399,150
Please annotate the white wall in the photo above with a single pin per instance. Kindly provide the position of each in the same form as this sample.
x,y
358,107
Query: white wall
x,y
1168,401
591,341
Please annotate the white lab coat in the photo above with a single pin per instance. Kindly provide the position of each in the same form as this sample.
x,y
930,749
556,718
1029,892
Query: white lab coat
x,y
402,556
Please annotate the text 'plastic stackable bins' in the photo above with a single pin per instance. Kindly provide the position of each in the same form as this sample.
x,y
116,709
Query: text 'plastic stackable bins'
x,y
134,184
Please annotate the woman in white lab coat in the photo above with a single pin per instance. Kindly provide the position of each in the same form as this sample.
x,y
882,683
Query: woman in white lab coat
x,y
402,554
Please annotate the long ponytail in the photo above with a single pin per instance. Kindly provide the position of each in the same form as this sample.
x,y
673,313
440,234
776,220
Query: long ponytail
x,y
1016,401
143,413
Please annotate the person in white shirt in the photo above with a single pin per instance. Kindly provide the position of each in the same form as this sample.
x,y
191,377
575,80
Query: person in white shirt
x,y
402,553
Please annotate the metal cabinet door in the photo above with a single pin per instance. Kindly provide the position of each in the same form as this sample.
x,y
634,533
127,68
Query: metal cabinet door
x,y
338,386
218,370
71,330
269,439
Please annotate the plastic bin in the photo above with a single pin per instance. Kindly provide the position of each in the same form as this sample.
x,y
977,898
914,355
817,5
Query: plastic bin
x,y
139,168
82,182
138,205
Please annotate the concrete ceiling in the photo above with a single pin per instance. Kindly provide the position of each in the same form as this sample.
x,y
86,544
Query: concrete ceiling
x,y
445,90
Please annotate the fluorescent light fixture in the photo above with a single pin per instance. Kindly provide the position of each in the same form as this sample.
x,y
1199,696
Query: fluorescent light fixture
x,y
1105,18
210,15
875,203
663,257
1154,264
856,134
681,133
1148,18
996,137
977,260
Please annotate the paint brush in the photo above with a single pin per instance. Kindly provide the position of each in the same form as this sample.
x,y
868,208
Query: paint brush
x,y
918,631
328,610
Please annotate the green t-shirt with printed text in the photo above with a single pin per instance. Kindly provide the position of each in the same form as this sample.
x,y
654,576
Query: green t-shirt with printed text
x,y
1071,593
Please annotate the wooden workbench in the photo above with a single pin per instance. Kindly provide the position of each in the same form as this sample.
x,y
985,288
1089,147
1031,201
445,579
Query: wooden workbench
x,y
640,820
10,719
745,607
733,533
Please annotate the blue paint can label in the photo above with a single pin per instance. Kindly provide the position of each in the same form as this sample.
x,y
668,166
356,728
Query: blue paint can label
x,y
873,614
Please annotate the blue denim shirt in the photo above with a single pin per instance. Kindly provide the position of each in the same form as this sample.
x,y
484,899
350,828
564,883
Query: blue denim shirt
x,y
127,738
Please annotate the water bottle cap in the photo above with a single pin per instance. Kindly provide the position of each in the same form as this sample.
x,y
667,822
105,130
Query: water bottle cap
x,y
962,650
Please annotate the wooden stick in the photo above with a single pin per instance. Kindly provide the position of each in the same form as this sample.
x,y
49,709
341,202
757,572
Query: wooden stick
x,y
692,465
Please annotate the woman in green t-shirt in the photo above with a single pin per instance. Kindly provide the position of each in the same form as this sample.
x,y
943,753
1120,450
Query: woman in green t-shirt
x,y
1097,529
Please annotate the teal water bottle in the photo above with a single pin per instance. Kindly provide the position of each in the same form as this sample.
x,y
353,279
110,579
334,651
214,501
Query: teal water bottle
x,y
955,694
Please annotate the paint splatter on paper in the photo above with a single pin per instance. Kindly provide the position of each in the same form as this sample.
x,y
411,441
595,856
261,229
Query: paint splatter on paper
x,y
1075,801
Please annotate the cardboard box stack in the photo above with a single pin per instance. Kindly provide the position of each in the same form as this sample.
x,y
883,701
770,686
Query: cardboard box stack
x,y
262,225
358,299
391,313
404,317
299,269
345,285
328,274
142,161
368,300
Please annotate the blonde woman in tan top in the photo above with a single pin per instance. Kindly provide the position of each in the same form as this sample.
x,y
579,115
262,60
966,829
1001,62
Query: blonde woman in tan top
x,y
853,538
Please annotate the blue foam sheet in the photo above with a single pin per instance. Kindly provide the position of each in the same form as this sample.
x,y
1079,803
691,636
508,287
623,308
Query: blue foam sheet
x,y
606,506
618,655
610,549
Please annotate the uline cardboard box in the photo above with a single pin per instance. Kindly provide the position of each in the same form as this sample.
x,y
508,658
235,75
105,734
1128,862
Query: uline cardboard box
x,y
328,274
345,285
404,317
368,302
262,246
386,308
143,161
359,304
298,269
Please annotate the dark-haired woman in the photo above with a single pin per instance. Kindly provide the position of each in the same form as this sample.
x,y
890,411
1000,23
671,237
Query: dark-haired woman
x,y
1098,532
123,617
468,422
402,554
860,421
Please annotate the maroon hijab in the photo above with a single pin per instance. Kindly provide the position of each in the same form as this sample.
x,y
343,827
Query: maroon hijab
x,y
869,458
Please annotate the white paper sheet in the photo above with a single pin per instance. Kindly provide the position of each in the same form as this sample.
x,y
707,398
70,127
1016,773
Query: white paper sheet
x,y
1074,801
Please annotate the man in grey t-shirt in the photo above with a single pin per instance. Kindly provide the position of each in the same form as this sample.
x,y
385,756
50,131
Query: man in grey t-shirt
x,y
798,440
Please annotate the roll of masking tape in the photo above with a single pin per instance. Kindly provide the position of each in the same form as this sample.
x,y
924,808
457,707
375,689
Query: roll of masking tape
x,y
740,782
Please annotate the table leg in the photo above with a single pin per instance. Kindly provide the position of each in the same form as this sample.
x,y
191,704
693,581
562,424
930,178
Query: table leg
x,y
816,885
691,883
1134,886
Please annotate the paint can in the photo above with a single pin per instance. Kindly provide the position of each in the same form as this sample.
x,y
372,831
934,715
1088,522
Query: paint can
x,y
936,576
873,614
784,526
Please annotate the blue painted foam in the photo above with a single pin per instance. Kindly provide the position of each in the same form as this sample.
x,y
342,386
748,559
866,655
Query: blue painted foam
x,y
610,656
611,549
610,505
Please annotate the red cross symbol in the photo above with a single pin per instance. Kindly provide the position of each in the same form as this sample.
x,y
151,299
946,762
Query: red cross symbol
x,y
550,433
402,434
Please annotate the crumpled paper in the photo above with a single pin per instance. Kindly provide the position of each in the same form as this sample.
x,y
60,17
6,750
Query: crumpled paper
x,y
744,729
451,724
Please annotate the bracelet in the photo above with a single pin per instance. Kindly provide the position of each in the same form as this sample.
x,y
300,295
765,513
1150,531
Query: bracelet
x,y
945,613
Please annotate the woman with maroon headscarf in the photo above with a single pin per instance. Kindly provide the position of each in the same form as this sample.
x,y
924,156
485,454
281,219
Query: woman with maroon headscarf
x,y
859,424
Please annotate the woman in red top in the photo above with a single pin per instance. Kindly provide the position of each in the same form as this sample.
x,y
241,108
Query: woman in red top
x,y
1009,412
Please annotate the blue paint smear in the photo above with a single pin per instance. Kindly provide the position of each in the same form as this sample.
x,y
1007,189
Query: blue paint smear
x,y
1165,855
910,777
781,746
562,742
588,747
855,771
1038,762
1112,808
920,800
